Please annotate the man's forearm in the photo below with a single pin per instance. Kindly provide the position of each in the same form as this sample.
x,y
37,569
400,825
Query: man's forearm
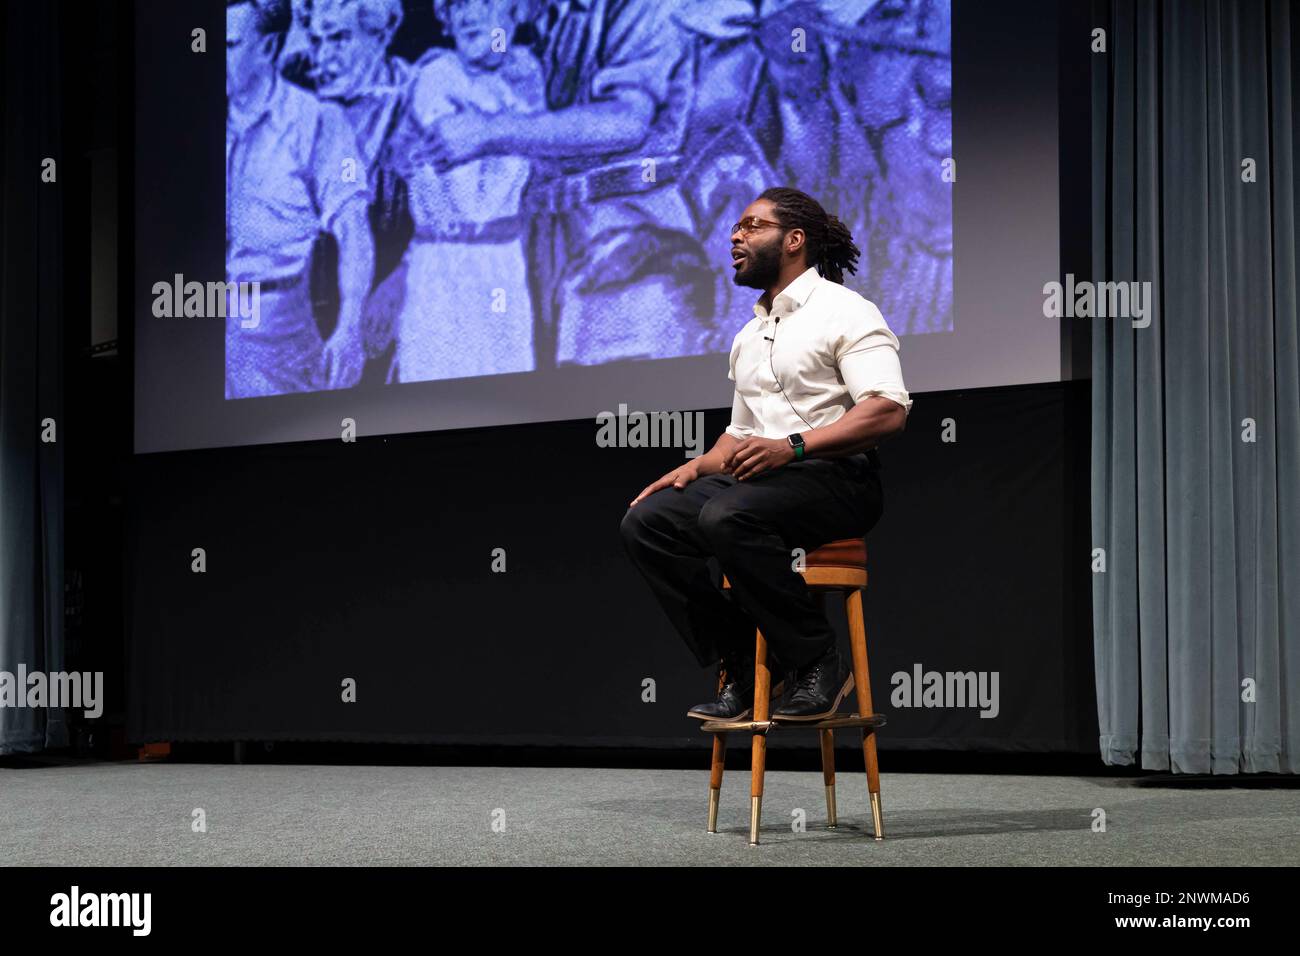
x,y
356,260
612,126
710,463
863,426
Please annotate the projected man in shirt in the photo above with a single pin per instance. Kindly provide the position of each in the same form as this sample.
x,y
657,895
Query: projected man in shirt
x,y
610,234
345,60
293,170
818,385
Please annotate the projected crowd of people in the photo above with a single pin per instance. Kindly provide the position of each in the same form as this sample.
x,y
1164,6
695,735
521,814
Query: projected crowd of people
x,y
435,190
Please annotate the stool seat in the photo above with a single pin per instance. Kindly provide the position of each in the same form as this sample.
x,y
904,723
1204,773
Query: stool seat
x,y
845,553
837,565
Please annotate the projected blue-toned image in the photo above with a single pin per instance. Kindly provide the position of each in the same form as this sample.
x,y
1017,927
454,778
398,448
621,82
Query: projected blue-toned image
x,y
437,190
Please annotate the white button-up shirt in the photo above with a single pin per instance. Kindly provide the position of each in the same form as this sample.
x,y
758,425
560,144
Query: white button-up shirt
x,y
820,350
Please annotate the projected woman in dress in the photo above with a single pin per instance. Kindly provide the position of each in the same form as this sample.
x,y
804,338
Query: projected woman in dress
x,y
466,310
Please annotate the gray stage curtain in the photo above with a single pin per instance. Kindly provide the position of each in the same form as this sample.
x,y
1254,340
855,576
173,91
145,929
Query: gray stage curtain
x,y
31,361
1199,603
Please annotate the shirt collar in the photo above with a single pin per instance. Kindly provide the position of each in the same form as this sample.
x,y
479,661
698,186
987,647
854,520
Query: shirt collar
x,y
273,105
792,297
386,77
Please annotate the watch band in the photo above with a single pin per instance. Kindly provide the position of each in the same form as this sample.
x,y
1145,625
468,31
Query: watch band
x,y
796,442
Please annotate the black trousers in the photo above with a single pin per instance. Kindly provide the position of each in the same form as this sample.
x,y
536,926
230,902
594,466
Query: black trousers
x,y
752,528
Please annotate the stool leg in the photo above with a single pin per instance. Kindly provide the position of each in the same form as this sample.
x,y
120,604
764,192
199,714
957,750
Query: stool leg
x,y
715,778
762,693
828,776
862,687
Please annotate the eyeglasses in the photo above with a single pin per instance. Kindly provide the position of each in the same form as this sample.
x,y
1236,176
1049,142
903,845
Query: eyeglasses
x,y
752,224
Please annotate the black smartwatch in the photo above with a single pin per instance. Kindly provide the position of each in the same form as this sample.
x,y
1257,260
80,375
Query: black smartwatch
x,y
796,442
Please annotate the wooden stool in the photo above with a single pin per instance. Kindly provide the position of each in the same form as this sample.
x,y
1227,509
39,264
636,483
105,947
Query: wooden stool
x,y
839,566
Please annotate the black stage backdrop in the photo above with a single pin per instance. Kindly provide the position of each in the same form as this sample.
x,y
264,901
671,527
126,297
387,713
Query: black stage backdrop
x,y
373,561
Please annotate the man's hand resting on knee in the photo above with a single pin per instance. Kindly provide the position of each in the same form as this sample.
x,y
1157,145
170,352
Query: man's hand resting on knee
x,y
712,463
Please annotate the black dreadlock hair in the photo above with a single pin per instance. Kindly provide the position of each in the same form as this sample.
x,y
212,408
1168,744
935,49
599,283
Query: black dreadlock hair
x,y
830,246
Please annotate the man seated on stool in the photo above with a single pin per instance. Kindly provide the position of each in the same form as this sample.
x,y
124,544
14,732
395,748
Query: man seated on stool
x,y
818,387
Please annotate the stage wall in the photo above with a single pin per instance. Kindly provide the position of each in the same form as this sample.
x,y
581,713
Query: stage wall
x,y
374,561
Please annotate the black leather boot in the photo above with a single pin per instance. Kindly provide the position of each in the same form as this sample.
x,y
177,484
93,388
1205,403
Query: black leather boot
x,y
817,689
735,700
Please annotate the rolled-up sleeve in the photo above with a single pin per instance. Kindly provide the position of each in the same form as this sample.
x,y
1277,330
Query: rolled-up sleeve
x,y
335,183
641,49
866,354
742,419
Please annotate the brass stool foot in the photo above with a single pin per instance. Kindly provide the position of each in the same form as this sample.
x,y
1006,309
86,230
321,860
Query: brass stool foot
x,y
876,819
714,793
831,820
755,813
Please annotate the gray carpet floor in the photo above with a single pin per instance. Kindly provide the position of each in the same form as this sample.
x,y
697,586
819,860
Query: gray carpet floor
x,y
141,814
